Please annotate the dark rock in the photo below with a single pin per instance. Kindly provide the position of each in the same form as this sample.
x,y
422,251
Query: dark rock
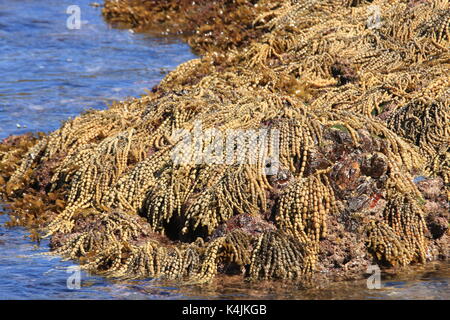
x,y
251,224
344,72
345,174
375,166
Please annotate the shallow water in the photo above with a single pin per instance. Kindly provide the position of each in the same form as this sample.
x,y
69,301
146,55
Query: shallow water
x,y
49,73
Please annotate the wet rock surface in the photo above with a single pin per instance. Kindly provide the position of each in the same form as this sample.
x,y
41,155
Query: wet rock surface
x,y
249,224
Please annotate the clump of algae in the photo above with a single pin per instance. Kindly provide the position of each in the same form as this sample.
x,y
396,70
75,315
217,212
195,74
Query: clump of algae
x,y
362,108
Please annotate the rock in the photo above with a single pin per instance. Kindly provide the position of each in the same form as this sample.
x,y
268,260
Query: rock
x,y
344,72
375,166
431,188
251,224
346,174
